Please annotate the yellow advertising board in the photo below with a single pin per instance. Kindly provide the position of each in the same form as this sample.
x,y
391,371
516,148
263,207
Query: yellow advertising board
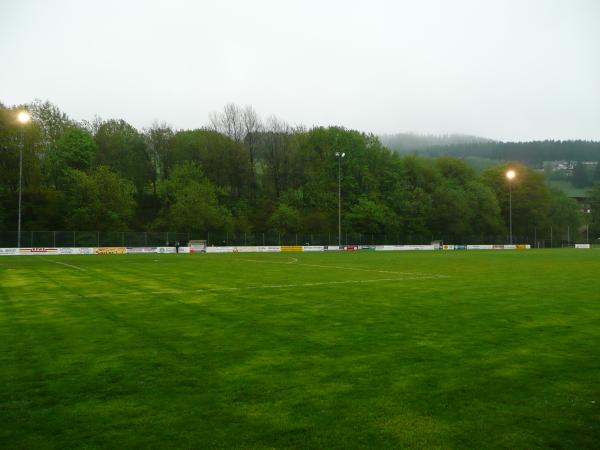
x,y
111,250
292,248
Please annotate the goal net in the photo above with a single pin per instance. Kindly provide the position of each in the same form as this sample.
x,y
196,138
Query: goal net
x,y
197,246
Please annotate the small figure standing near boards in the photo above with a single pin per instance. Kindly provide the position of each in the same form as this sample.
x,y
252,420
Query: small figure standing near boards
x,y
177,246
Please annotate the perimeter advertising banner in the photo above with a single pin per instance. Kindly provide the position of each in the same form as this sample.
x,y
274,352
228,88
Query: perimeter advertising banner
x,y
141,249
111,250
404,247
38,251
292,248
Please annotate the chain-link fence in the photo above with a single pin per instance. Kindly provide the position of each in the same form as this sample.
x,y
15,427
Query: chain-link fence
x,y
538,238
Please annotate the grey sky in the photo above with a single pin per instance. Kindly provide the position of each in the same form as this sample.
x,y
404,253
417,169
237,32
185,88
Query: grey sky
x,y
511,70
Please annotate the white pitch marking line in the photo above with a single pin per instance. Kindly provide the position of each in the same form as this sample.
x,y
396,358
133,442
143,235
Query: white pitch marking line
x,y
68,265
295,261
243,288
323,283
359,269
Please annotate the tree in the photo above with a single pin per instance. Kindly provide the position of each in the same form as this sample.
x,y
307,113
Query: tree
x,y
74,149
158,147
595,213
190,202
563,214
123,149
596,176
101,200
530,197
285,219
580,176
230,122
370,216
51,121
226,163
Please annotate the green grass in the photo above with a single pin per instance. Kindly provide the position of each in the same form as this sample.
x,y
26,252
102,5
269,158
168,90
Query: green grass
x,y
336,350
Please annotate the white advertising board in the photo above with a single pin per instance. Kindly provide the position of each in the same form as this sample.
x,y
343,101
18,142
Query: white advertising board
x,y
165,249
404,247
314,248
582,246
141,249
219,249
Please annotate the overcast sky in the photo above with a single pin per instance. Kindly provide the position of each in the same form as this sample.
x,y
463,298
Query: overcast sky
x,y
510,70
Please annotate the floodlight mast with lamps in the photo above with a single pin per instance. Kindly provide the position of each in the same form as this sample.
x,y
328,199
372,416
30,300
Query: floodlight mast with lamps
x,y
510,176
339,156
23,118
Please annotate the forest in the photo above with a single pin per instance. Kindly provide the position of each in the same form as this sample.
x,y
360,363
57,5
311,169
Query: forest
x,y
241,173
532,153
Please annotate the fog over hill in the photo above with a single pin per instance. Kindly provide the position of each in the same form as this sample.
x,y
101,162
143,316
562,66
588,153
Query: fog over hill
x,y
413,142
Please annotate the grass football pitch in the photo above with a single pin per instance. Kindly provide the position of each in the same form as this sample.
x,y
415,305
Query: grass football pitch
x,y
478,349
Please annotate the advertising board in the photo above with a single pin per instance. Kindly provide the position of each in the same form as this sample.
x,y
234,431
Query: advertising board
x,y
292,248
37,251
219,249
111,250
404,247
582,246
269,248
141,249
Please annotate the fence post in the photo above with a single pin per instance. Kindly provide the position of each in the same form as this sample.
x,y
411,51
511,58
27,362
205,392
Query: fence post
x,y
145,239
74,239
54,238
245,243
122,239
263,235
98,237
208,238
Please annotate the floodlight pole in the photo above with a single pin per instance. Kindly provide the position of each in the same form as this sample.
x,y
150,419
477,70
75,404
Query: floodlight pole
x,y
510,175
510,210
23,118
21,144
339,157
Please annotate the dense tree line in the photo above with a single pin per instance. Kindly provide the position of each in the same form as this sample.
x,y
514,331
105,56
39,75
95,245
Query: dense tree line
x,y
532,153
244,174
